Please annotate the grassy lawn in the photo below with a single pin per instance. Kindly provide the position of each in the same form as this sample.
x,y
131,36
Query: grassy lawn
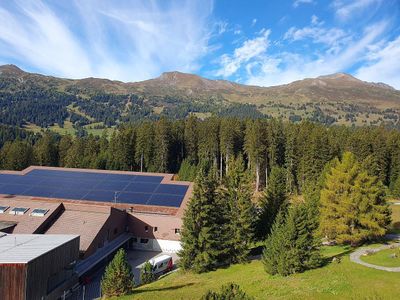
x,y
345,280
383,258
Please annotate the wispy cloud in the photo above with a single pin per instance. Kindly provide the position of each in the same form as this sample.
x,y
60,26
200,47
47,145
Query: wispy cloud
x,y
249,50
287,67
344,9
297,3
132,41
383,64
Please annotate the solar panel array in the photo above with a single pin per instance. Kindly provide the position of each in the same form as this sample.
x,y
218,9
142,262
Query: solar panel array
x,y
91,186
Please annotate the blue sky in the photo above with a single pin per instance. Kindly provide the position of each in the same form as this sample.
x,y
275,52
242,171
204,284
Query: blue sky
x,y
261,42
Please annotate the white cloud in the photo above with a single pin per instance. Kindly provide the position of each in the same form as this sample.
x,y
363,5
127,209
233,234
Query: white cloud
x,y
130,41
253,22
250,49
297,3
383,64
332,37
347,8
288,66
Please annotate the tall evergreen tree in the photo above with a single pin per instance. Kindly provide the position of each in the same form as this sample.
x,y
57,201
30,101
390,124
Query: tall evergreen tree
x,y
191,138
237,192
45,151
353,206
201,234
144,146
162,139
292,246
254,147
273,200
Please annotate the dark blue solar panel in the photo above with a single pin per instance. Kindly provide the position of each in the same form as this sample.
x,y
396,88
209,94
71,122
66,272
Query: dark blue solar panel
x,y
121,177
172,189
153,179
134,198
14,189
86,184
70,194
112,185
28,180
39,191
104,196
6,178
165,200
141,187
135,189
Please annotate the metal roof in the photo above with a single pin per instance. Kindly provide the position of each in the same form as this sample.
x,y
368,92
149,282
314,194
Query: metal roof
x,y
23,248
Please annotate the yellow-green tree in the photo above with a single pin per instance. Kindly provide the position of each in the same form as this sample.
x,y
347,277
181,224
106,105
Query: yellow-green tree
x,y
353,206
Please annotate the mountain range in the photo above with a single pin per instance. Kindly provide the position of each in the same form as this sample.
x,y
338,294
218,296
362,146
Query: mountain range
x,y
333,99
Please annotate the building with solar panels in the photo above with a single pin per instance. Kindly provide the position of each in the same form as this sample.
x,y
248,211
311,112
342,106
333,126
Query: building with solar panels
x,y
105,208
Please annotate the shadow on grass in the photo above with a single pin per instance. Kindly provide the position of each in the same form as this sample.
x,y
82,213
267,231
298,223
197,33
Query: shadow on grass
x,y
168,288
329,259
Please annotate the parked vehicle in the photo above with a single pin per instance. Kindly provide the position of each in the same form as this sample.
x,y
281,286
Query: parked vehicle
x,y
162,264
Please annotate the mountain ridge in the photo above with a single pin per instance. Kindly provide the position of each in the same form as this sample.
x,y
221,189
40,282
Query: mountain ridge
x,y
337,98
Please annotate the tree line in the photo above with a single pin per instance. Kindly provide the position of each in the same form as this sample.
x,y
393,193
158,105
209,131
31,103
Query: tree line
x,y
301,150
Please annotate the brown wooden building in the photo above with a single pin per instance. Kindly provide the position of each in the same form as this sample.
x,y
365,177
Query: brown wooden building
x,y
35,266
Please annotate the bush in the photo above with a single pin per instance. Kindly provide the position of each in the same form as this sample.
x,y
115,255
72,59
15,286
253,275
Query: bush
x,y
230,291
146,273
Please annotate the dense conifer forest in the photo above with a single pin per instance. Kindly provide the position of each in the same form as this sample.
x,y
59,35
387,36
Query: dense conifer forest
x,y
301,150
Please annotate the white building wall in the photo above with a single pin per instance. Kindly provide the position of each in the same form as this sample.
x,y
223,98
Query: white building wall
x,y
157,245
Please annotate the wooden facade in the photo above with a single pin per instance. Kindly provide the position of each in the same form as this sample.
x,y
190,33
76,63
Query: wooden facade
x,y
42,277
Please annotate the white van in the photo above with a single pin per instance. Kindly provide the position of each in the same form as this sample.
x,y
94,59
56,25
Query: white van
x,y
162,264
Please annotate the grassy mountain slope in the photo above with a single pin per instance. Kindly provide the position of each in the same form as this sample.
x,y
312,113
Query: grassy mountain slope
x,y
332,99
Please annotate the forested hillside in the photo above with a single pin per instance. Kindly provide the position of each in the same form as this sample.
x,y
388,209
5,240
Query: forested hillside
x,y
35,101
302,150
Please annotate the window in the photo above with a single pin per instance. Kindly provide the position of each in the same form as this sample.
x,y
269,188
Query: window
x,y
134,239
144,241
38,212
155,229
3,209
18,211
177,231
146,228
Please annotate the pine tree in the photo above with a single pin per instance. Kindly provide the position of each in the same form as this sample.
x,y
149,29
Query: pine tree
x,y
45,151
353,206
118,277
274,199
144,151
201,235
254,147
237,193
162,140
292,246
146,273
191,138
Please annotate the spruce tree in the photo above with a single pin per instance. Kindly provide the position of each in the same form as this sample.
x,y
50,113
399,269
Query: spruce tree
x,y
201,234
273,200
292,246
237,193
118,277
353,206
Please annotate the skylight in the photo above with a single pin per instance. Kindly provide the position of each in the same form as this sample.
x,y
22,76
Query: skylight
x,y
18,211
39,212
3,209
